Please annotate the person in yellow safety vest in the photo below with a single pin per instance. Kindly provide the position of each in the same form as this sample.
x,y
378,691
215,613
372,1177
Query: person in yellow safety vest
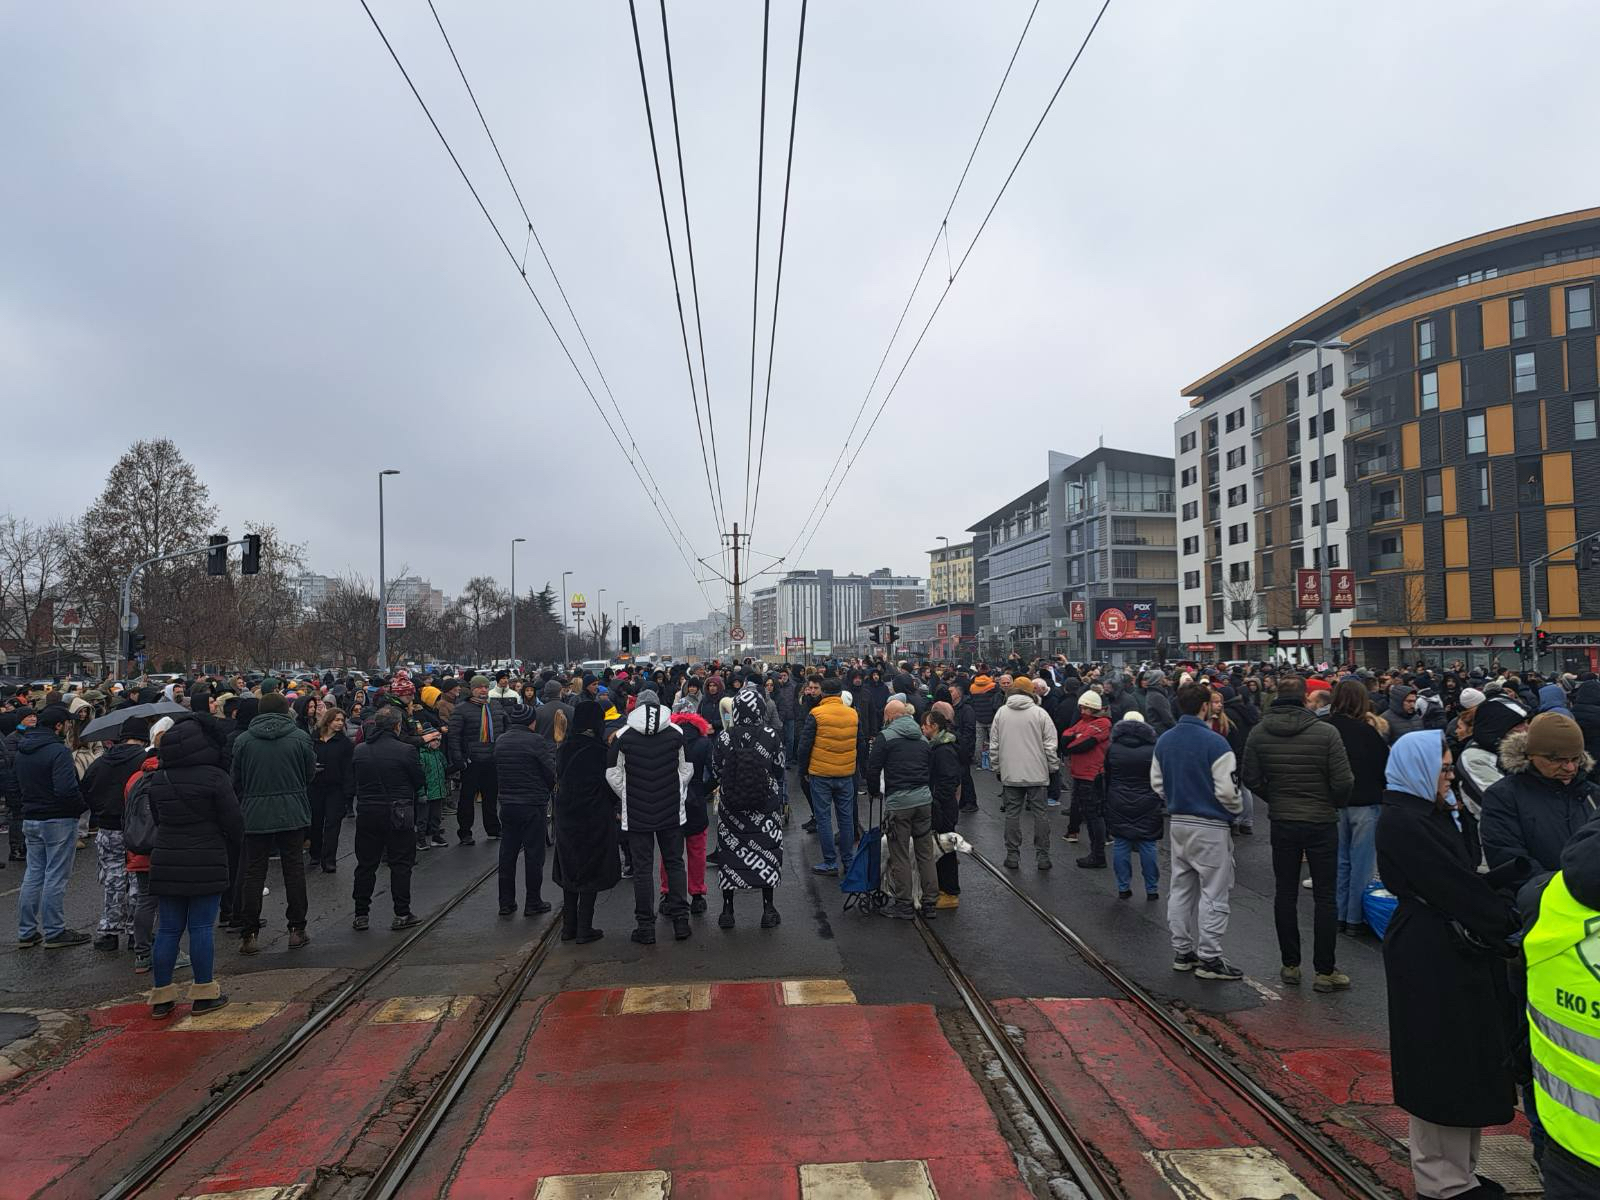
x,y
1562,949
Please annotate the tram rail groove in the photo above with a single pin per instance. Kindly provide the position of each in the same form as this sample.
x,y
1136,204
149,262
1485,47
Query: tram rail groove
x,y
1301,1135
159,1160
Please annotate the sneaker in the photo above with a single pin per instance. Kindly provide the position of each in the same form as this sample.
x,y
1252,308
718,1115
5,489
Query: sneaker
x,y
769,917
825,869
67,937
1152,895
536,909
1289,975
298,938
899,910
1187,961
1052,803
466,839
928,912
590,935
404,921
438,839
1013,860
809,827
107,942
1096,862
1043,862
697,904
1124,894
1070,837
644,935
1247,830
725,919
1218,968
141,962
249,945
946,900
423,843
200,1007
681,929
493,837
508,910
33,939
359,921
1305,883
1333,981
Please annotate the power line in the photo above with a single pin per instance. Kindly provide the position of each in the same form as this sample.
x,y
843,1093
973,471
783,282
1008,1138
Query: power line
x,y
672,259
494,226
554,276
783,233
960,264
755,283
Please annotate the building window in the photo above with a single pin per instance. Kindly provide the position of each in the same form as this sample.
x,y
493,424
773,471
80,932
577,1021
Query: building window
x,y
1316,556
1583,424
1525,377
1332,508
1234,420
1186,443
1483,486
1238,533
1329,467
1530,481
1432,492
1236,457
1191,510
1266,531
1189,476
1386,505
1477,436
1191,545
1519,316
1327,375
1424,340
1580,307
1291,388
1430,390
1239,572
1237,495
1191,579
1191,615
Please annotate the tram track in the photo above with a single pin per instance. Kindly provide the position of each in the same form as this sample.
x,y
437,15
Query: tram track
x,y
170,1152
1057,1127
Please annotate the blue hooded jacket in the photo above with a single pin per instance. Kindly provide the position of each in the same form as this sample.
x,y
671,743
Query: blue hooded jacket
x,y
1553,698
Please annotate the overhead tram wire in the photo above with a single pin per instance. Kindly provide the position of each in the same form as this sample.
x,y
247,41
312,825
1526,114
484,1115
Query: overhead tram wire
x,y
755,283
960,265
777,287
672,259
940,232
556,278
511,255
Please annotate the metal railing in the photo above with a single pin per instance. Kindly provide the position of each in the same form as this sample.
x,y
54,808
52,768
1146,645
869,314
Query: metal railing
x,y
1389,512
1387,562
1379,464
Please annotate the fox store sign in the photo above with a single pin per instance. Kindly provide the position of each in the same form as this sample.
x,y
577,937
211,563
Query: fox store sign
x,y
1125,624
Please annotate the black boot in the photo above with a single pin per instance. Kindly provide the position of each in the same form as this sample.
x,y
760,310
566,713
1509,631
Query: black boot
x,y
569,916
725,920
769,912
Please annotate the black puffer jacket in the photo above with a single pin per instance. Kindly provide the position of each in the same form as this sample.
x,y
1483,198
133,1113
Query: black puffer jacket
x,y
462,738
1132,808
525,765
1526,815
197,815
1586,711
1368,753
650,772
901,755
1297,764
107,776
388,775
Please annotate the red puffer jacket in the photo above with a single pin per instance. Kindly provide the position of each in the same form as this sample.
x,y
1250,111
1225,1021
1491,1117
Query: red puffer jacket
x,y
1084,746
139,862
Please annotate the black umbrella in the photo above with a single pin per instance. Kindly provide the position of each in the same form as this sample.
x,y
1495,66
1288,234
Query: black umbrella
x,y
109,727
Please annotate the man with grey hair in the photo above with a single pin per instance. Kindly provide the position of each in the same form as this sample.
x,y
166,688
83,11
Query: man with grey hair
x,y
388,775
899,769
1155,702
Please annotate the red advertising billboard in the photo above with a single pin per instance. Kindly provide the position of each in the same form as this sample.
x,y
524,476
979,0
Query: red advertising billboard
x,y
1341,588
1129,623
1077,610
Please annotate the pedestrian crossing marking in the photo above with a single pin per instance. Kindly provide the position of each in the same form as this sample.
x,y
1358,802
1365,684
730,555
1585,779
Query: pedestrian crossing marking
x,y
1227,1173
404,1010
802,992
895,1179
672,997
609,1185
241,1014
291,1191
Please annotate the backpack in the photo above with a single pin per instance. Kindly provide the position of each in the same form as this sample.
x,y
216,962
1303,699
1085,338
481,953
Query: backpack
x,y
139,817
745,785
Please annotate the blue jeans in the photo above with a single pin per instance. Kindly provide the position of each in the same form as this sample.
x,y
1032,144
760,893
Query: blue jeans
x,y
790,745
1358,859
197,914
51,846
842,793
1122,864
1247,811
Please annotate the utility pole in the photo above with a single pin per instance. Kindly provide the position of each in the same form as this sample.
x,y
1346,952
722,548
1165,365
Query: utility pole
x,y
735,627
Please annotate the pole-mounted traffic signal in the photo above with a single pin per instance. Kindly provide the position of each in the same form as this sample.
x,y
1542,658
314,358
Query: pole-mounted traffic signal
x,y
135,644
217,556
1541,641
894,634
876,630
250,563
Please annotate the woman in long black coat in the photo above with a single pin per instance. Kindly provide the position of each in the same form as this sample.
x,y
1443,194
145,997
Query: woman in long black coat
x,y
1450,1013
586,856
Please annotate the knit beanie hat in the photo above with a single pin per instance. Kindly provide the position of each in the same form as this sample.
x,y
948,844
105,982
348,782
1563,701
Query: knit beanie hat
x,y
1091,701
479,681
1131,716
1318,685
429,694
1555,735
52,715
1471,698
648,697
1021,685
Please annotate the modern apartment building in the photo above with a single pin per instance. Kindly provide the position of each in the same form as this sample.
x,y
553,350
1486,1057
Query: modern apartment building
x,y
764,619
1016,581
950,574
823,606
1474,446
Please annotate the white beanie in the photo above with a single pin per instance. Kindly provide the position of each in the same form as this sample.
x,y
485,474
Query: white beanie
x,y
1133,716
1471,698
1090,700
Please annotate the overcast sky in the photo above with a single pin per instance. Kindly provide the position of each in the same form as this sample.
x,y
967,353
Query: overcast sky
x,y
230,224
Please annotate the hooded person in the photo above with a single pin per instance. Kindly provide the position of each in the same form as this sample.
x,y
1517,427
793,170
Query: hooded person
x,y
650,774
749,762
1553,698
1492,722
1402,713
525,763
273,765
986,700
1450,1048
585,825
1546,795
1133,811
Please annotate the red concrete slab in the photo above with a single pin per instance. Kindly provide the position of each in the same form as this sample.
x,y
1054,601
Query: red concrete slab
x,y
733,1099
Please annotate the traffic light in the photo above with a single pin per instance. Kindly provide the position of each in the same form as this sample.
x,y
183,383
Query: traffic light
x,y
1273,639
1589,553
894,634
1520,647
250,563
1541,641
876,629
217,556
634,637
135,644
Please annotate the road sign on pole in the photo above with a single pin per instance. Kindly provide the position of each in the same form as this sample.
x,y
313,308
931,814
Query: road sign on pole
x,y
395,616
130,622
737,633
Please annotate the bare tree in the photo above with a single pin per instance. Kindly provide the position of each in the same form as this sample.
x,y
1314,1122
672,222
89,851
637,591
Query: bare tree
x,y
32,559
266,609
600,631
1243,606
480,603
1411,612
346,622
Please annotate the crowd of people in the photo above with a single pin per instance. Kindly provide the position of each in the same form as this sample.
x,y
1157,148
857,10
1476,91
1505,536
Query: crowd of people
x,y
1470,797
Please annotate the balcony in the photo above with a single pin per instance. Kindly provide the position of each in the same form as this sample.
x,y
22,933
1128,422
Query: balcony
x,y
1265,499
1155,574
1392,561
1257,421
1357,374
1379,464
1367,610
1386,512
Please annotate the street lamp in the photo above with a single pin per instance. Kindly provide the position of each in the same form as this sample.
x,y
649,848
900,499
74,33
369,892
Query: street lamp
x,y
566,650
514,542
383,582
1322,493
947,590
599,608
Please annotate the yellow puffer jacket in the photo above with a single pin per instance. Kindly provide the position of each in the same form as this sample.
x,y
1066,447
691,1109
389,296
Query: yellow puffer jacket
x,y
828,744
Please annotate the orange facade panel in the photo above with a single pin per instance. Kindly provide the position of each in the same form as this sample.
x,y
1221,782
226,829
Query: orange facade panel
x,y
1563,590
1507,596
1457,596
1496,323
1447,480
1560,529
1558,478
1455,542
1497,423
1410,446
1449,385
1558,311
1411,546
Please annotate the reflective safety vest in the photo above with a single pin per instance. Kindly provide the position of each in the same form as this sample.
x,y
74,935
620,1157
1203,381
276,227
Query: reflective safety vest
x,y
1563,952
